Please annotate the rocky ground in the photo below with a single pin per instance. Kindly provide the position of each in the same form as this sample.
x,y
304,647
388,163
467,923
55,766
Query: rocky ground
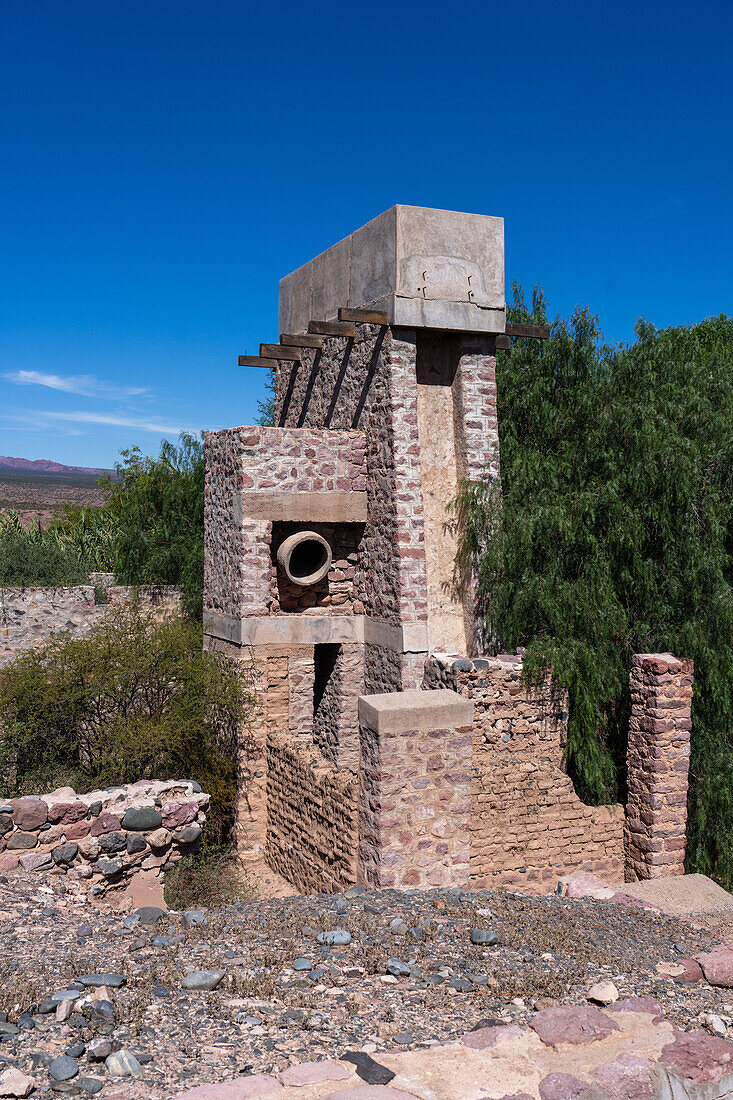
x,y
150,1004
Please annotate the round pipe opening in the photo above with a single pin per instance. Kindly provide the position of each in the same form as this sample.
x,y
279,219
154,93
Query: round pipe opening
x,y
305,558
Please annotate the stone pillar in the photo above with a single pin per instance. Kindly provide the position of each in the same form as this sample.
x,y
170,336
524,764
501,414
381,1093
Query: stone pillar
x,y
415,771
657,763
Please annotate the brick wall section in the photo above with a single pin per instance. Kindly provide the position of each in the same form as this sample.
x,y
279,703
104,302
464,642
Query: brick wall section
x,y
528,826
238,567
657,765
335,724
312,823
415,794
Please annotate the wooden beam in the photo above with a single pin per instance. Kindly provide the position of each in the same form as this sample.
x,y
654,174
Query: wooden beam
x,y
278,351
255,361
304,341
332,328
537,332
364,316
503,343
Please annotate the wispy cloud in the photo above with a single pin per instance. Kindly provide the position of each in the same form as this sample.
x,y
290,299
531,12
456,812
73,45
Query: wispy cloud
x,y
142,423
43,419
82,385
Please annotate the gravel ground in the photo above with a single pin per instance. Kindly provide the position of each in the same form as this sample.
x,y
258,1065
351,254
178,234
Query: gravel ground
x,y
409,975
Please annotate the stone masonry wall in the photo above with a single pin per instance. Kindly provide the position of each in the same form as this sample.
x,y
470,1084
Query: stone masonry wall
x,y
312,822
103,837
415,799
369,383
528,826
31,616
658,759
238,571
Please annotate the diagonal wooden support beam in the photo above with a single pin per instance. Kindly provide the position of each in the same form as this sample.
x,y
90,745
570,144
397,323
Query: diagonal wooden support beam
x,y
278,351
538,332
255,361
364,316
333,328
304,341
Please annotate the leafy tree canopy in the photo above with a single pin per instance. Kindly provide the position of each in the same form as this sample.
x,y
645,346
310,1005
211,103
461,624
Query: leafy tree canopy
x,y
613,536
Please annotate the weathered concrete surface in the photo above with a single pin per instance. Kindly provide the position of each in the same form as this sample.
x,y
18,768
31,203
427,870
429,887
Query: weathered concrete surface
x,y
401,711
687,896
440,269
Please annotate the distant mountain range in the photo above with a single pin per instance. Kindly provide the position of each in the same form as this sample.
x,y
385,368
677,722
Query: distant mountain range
x,y
47,466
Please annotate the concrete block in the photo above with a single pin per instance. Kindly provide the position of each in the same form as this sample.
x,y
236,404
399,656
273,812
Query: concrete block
x,y
425,268
404,711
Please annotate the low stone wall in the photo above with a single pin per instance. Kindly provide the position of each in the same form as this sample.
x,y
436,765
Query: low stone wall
x,y
528,826
105,837
30,616
312,818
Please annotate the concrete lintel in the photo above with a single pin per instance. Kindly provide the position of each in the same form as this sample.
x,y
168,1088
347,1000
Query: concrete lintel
x,y
405,711
316,630
338,506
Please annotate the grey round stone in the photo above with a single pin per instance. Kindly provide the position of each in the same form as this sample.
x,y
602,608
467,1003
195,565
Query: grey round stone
x,y
142,819
397,968
6,823
135,843
193,917
189,834
203,980
463,665
90,1085
302,964
63,1068
22,840
149,914
123,1063
65,853
95,809
338,937
93,981
109,867
484,936
113,842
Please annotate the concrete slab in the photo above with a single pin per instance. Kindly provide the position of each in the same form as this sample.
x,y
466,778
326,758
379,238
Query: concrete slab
x,y
686,896
425,268
406,711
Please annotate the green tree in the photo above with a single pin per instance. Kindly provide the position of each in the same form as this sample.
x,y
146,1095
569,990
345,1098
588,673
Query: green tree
x,y
157,508
613,535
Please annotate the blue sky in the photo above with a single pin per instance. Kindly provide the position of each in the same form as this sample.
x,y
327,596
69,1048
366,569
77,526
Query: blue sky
x,y
166,162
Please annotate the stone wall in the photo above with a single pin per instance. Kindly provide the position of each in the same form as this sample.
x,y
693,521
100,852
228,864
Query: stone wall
x,y
415,780
528,826
246,472
312,818
103,837
657,765
30,616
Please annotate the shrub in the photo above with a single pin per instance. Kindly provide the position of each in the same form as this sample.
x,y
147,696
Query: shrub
x,y
614,535
133,700
28,558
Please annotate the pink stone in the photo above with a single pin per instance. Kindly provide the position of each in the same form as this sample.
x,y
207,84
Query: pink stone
x,y
8,863
66,813
77,830
693,971
486,1037
29,813
105,823
179,813
242,1088
572,1024
561,1086
717,966
585,885
698,1056
370,1092
312,1073
628,1078
637,1004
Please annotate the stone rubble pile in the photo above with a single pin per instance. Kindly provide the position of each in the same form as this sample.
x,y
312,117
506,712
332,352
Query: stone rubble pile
x,y
105,836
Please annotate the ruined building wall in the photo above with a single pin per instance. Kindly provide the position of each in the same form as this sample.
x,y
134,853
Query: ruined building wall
x,y
528,826
312,828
